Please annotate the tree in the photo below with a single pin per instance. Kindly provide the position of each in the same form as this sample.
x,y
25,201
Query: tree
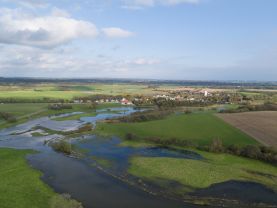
x,y
216,146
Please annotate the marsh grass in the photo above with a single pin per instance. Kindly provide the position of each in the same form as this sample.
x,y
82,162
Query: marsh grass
x,y
21,187
215,168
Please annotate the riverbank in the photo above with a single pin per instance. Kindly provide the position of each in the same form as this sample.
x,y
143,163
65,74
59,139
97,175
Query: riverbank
x,y
25,112
21,187
214,168
182,172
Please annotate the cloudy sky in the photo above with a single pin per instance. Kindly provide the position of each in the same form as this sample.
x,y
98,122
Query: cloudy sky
x,y
157,39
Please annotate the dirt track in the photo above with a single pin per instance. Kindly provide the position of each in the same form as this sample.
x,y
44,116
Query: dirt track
x,y
260,125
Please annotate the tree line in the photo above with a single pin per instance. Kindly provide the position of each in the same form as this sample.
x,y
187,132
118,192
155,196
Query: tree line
x,y
263,153
8,117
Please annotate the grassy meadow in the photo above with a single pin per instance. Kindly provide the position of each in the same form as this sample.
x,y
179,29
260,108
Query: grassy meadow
x,y
21,187
215,168
33,94
69,91
200,128
27,111
22,108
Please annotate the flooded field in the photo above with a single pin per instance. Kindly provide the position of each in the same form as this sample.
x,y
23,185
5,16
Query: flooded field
x,y
99,178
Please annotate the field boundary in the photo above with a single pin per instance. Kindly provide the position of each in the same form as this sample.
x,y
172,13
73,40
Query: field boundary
x,y
260,125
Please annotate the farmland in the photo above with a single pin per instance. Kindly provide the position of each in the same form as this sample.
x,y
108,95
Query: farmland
x,y
69,91
200,128
259,125
167,121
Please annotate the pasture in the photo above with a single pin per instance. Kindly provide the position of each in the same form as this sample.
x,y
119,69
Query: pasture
x,y
216,168
69,91
200,128
22,108
33,94
21,187
260,125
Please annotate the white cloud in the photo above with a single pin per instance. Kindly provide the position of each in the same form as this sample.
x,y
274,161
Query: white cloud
x,y
60,12
19,27
138,4
146,61
29,3
114,32
64,62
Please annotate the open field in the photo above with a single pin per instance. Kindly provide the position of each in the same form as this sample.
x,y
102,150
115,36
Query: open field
x,y
260,125
200,128
21,187
32,94
69,91
203,173
22,108
25,112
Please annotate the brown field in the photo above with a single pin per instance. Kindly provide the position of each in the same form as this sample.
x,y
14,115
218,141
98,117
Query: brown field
x,y
260,125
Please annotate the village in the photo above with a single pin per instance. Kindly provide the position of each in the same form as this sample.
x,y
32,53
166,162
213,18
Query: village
x,y
205,96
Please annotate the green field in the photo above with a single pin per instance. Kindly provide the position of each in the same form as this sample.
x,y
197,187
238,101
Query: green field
x,y
28,111
21,187
201,128
32,94
21,109
203,173
66,91
22,112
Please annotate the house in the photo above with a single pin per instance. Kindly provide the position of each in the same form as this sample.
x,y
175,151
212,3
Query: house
x,y
124,101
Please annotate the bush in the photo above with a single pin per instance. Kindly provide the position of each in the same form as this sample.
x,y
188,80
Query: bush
x,y
216,146
129,136
233,149
85,128
8,117
187,111
59,106
62,146
251,151
145,116
246,108
64,201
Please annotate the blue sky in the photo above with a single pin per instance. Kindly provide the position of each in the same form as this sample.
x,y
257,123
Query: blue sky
x,y
156,39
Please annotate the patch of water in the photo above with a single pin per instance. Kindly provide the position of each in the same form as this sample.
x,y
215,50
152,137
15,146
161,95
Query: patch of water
x,y
109,149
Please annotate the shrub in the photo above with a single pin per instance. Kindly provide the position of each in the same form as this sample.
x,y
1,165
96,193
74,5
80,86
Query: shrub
x,y
216,146
85,128
251,151
233,149
187,111
129,136
59,106
64,201
8,117
145,116
62,146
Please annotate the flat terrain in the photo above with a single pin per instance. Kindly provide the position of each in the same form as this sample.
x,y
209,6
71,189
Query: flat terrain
x,y
21,109
69,91
200,128
21,187
260,125
203,173
26,111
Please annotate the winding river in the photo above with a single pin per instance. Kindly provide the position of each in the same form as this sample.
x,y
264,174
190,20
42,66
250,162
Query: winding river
x,y
83,178
84,181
